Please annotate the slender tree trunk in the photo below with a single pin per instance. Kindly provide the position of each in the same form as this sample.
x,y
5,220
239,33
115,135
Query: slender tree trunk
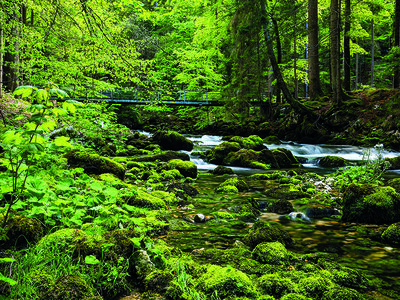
x,y
357,68
296,85
296,105
346,47
313,47
372,53
1,55
279,52
396,32
335,52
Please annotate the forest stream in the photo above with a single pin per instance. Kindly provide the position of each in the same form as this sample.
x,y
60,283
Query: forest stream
x,y
354,246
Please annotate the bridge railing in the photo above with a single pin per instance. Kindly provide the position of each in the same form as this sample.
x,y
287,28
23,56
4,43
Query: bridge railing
x,y
141,95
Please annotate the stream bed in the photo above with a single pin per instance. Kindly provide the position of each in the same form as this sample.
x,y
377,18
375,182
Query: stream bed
x,y
353,245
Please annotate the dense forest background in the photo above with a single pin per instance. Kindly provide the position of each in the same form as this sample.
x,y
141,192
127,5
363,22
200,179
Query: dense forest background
x,y
268,51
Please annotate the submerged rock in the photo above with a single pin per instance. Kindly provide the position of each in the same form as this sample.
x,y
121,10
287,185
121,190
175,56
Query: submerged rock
x,y
280,206
318,211
371,204
221,170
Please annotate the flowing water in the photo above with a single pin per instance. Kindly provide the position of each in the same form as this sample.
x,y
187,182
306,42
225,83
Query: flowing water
x,y
355,246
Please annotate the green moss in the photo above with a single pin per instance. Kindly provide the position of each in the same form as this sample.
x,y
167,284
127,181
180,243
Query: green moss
x,y
223,215
273,253
94,164
141,198
371,204
163,156
264,232
392,234
234,181
219,152
332,162
172,140
253,142
228,282
171,175
273,284
294,296
68,287
186,168
314,286
221,170
342,294
285,158
113,180
227,189
272,140
158,280
287,191
21,231
349,278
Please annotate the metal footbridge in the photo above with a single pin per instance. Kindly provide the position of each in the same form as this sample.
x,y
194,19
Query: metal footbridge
x,y
146,96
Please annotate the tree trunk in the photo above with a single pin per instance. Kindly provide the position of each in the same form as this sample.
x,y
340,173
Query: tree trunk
x,y
372,53
296,105
396,32
357,69
313,47
335,52
346,47
1,56
279,52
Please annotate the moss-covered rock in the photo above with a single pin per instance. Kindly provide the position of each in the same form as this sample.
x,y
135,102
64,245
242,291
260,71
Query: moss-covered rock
x,y
94,164
350,278
222,170
219,152
172,140
228,282
314,286
275,285
394,163
394,183
263,232
241,185
281,206
287,191
371,204
294,296
227,189
332,162
142,198
273,253
20,231
253,142
68,287
186,168
340,293
285,158
163,156
272,139
392,234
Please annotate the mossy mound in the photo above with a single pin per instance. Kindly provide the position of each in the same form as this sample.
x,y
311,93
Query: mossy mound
x,y
172,140
394,183
285,158
229,283
158,280
287,191
227,189
371,204
222,170
253,142
182,190
314,286
392,234
94,164
163,156
263,232
186,168
273,253
339,293
234,181
276,286
141,198
332,162
20,231
70,287
281,206
219,152
272,139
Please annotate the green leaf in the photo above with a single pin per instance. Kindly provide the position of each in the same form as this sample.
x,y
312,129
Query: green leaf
x,y
8,280
42,96
25,91
58,93
91,260
136,242
62,141
69,107
7,259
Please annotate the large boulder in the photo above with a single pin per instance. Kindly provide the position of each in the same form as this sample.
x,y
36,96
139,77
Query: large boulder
x,y
186,168
253,142
332,162
371,204
263,232
219,152
94,163
172,140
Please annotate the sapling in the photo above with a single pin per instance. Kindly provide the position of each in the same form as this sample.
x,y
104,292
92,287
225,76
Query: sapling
x,y
22,146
